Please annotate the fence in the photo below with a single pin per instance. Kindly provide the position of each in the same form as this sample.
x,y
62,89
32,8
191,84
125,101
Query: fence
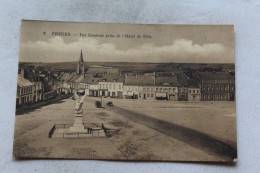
x,y
93,130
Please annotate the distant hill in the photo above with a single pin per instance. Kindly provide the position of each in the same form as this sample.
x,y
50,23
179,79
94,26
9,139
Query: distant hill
x,y
129,66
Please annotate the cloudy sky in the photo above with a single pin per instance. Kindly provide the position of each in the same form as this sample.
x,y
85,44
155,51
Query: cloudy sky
x,y
169,43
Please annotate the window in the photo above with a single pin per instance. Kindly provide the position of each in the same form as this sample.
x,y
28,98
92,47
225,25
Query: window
x,y
148,95
119,86
193,91
148,89
225,88
110,86
144,89
139,94
220,88
114,86
100,86
208,88
106,86
151,95
157,89
190,91
212,88
103,86
198,91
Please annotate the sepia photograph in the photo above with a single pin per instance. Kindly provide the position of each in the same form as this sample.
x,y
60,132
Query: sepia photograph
x,y
126,92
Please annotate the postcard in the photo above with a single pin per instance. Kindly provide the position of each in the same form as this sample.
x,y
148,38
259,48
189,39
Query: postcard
x,y
139,92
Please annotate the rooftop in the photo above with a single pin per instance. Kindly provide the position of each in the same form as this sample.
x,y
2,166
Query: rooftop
x,y
141,80
23,82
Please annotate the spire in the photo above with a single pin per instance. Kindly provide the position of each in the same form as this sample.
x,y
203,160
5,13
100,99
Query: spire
x,y
81,57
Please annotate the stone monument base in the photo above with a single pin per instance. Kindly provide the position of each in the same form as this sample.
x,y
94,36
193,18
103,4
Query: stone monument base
x,y
78,125
91,130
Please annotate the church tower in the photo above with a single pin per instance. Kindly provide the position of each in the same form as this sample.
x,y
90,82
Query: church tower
x,y
80,66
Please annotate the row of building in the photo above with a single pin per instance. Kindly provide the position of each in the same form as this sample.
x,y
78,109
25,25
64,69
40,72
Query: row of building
x,y
175,86
149,86
35,85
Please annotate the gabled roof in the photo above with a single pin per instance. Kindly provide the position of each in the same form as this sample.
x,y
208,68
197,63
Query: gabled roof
x,y
74,78
111,77
140,80
66,77
80,79
162,80
215,76
23,82
90,79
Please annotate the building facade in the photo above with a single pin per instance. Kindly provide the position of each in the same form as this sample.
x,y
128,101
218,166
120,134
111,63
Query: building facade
x,y
194,94
111,89
131,92
166,93
25,91
218,86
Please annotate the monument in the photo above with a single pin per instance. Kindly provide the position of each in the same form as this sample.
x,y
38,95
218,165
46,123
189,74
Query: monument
x,y
78,125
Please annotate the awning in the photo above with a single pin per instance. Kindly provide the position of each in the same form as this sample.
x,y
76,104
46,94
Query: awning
x,y
81,91
130,94
160,94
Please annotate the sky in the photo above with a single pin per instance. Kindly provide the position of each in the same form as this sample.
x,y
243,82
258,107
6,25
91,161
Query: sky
x,y
62,42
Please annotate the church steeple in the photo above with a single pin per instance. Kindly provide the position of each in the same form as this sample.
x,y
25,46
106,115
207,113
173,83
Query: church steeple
x,y
81,57
80,65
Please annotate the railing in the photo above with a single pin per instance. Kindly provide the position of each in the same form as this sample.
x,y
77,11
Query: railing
x,y
93,129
